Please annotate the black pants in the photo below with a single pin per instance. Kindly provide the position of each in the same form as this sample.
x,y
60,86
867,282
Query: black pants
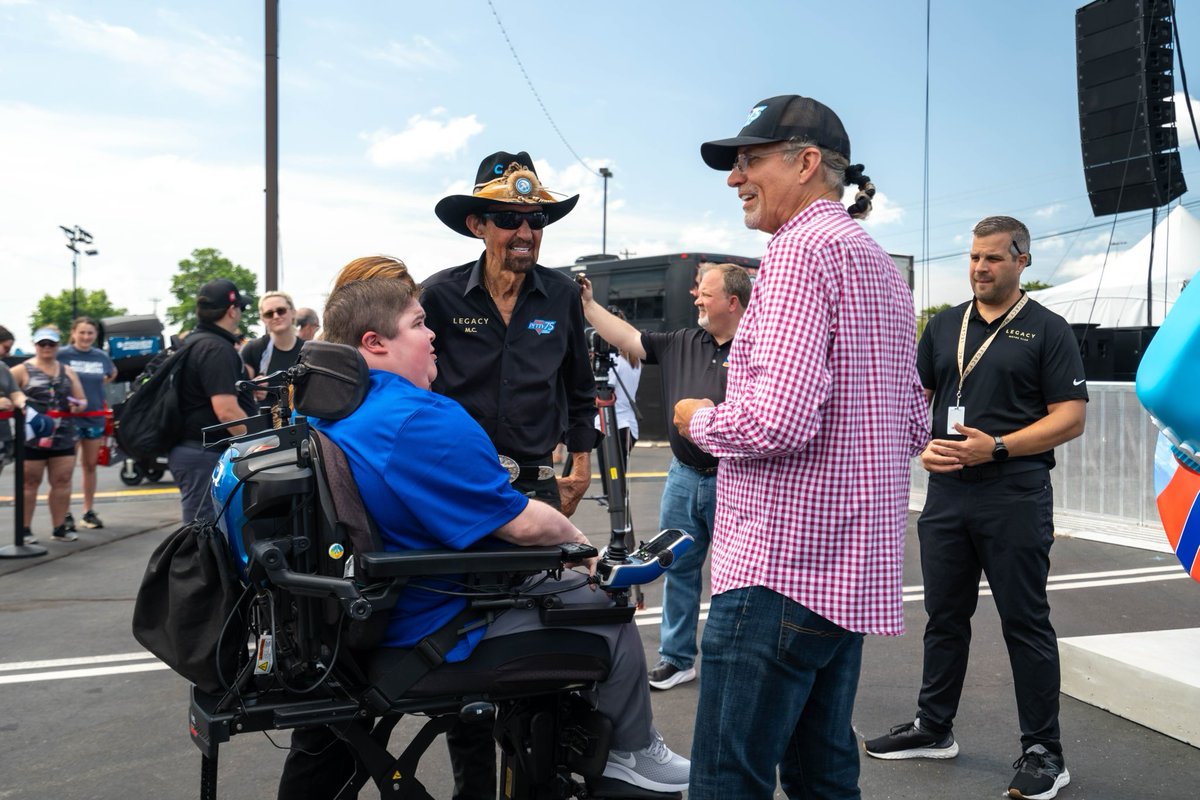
x,y
1002,527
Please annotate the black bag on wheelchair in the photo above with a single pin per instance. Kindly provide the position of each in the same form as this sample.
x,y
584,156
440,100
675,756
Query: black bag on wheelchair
x,y
190,608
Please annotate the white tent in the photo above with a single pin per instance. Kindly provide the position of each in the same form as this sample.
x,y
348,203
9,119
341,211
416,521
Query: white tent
x,y
1120,296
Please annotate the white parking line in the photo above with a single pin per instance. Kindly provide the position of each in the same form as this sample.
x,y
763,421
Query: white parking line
x,y
1081,580
49,670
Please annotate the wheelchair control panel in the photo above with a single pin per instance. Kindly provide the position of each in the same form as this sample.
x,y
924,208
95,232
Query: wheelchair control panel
x,y
646,564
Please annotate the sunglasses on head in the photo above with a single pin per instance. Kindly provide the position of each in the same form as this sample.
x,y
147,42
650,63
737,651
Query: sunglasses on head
x,y
274,312
511,220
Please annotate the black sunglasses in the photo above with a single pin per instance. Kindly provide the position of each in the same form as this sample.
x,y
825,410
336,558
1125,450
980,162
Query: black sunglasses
x,y
274,312
511,220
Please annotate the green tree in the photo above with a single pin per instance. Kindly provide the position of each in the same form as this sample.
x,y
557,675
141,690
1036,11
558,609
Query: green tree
x,y
207,264
56,311
1033,286
927,314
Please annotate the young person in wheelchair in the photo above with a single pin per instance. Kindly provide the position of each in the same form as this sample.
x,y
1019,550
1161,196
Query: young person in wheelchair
x,y
430,479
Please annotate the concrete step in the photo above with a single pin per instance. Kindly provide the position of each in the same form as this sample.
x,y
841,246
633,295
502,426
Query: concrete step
x,y
1150,678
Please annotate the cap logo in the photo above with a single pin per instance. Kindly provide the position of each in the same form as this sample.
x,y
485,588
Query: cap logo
x,y
498,169
232,295
755,113
523,186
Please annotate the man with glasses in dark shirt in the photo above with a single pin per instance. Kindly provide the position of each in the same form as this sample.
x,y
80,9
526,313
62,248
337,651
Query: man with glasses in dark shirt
x,y
511,349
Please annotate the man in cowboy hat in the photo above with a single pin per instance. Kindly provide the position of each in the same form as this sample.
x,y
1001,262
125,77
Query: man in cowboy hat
x,y
511,349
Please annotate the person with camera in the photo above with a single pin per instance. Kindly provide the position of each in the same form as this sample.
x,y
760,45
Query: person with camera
x,y
511,349
694,363
429,479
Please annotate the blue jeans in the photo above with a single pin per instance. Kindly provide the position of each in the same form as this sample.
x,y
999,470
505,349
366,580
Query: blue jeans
x,y
778,691
689,503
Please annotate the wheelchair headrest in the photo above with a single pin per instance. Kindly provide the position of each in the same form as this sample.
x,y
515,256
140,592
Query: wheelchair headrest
x,y
330,381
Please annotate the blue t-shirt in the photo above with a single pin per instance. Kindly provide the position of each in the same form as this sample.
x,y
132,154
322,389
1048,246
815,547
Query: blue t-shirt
x,y
430,479
92,366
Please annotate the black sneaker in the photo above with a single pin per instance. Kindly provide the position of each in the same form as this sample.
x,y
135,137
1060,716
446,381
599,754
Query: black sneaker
x,y
909,741
61,534
665,675
90,520
1040,774
68,522
29,537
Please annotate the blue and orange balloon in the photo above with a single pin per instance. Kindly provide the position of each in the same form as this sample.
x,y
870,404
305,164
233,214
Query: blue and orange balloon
x,y
1168,386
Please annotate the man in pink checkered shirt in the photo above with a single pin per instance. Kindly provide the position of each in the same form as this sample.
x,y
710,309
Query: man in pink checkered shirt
x,y
824,410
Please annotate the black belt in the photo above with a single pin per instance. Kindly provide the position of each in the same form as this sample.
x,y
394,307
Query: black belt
x,y
987,472
701,470
541,471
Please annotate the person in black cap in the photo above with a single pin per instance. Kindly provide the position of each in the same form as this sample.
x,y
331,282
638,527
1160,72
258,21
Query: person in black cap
x,y
823,412
207,393
511,349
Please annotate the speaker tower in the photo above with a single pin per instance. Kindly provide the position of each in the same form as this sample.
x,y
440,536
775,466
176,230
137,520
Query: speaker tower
x,y
1124,60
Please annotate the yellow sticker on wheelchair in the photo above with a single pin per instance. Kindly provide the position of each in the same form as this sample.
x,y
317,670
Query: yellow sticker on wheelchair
x,y
612,472
336,551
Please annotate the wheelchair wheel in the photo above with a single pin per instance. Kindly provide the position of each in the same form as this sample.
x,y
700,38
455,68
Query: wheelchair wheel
x,y
154,474
131,473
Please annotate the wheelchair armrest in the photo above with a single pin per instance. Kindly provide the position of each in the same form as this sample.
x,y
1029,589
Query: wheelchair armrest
x,y
412,564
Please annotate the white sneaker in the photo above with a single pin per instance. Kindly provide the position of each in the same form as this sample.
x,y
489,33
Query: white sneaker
x,y
653,767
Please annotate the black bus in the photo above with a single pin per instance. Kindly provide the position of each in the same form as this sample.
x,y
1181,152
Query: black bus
x,y
654,293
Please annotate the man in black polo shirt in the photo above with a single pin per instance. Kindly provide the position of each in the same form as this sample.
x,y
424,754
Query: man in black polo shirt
x,y
694,363
511,350
207,393
1007,386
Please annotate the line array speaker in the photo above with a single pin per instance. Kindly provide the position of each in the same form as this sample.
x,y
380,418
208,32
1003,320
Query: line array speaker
x,y
1124,61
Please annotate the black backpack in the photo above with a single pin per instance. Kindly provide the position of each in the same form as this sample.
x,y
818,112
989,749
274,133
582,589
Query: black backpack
x,y
149,423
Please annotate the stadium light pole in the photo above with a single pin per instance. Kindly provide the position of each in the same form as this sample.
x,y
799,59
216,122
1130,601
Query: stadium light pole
x,y
605,173
75,237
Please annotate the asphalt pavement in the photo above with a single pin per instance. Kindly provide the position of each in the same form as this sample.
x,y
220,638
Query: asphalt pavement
x,y
85,713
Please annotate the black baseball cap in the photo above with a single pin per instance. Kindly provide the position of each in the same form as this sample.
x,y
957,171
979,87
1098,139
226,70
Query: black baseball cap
x,y
778,119
219,295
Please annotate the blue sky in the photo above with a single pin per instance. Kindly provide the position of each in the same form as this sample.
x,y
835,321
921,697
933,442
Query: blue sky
x,y
143,123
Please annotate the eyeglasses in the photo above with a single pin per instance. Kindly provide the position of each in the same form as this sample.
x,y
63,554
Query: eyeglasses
x,y
743,161
511,220
275,312
46,344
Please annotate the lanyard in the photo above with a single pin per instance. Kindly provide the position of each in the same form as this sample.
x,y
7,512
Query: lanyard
x,y
962,343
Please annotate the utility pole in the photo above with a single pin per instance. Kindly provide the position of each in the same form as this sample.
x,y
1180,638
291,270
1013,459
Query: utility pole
x,y
75,237
605,173
271,269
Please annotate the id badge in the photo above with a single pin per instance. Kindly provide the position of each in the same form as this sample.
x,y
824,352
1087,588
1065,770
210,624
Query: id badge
x,y
955,415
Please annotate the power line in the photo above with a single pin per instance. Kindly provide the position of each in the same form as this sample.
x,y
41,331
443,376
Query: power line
x,y
536,96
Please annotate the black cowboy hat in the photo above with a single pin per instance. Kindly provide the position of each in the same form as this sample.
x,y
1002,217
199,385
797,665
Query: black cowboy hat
x,y
502,178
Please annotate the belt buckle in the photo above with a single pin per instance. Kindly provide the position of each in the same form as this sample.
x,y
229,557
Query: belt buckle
x,y
513,468
544,472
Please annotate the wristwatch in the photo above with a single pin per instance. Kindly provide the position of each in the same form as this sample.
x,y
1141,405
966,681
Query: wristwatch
x,y
999,452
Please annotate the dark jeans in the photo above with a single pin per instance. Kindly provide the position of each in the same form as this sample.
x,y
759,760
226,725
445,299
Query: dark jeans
x,y
192,467
777,691
1002,527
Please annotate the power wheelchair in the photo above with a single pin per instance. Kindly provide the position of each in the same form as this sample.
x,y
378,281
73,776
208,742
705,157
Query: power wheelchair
x,y
319,587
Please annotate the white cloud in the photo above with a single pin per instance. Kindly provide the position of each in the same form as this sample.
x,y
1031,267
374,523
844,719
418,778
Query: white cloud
x,y
425,138
419,52
1183,122
1049,211
198,63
